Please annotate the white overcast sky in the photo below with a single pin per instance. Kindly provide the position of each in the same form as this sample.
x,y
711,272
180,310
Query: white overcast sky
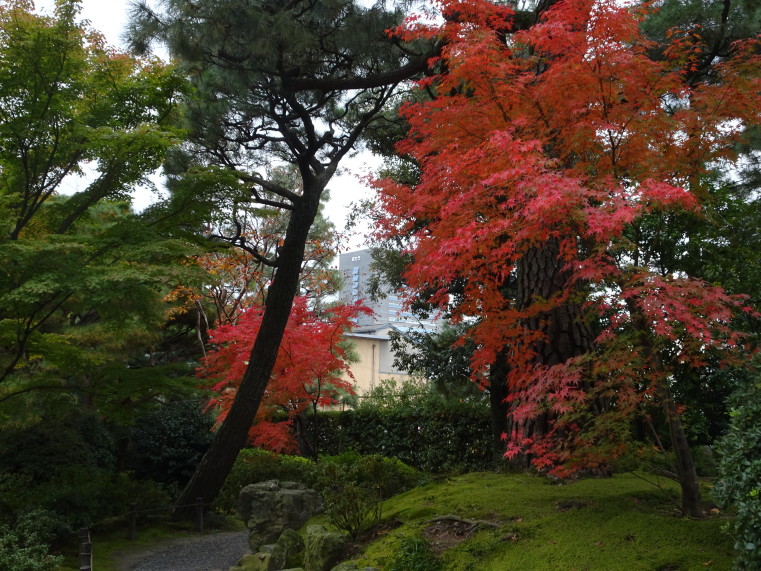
x,y
110,16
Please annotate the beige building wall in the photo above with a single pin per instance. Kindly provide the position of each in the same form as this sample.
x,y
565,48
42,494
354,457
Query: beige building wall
x,y
371,334
375,362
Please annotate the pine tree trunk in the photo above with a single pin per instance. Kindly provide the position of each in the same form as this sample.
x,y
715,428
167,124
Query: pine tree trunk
x,y
232,435
497,405
541,277
565,334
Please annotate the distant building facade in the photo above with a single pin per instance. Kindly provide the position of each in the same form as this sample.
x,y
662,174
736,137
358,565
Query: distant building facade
x,y
371,336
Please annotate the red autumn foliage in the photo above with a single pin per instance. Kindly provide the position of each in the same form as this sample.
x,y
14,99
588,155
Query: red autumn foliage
x,y
308,370
567,133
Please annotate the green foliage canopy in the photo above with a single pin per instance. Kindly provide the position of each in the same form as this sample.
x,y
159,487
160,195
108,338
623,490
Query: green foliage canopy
x,y
82,278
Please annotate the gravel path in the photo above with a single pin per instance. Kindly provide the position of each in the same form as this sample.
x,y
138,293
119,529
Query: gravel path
x,y
213,552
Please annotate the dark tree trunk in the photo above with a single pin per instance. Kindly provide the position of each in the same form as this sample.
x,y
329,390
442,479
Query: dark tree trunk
x,y
498,406
541,277
692,504
565,333
231,437
306,433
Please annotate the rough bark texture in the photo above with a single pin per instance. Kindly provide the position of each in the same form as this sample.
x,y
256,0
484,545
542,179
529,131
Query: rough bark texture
x,y
541,277
565,334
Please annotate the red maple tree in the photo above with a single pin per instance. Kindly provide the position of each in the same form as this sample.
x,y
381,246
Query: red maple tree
x,y
538,152
307,373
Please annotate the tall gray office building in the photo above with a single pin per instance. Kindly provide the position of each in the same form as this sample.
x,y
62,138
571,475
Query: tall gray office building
x,y
371,336
388,311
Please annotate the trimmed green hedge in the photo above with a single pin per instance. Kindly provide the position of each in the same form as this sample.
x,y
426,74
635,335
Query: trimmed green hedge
x,y
452,439
739,483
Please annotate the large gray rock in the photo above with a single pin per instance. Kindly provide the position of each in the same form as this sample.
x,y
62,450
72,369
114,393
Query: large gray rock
x,y
324,549
269,508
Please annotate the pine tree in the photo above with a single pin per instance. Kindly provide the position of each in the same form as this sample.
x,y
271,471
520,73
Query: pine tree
x,y
275,82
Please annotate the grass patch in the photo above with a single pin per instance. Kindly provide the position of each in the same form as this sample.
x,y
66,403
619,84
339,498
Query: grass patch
x,y
613,523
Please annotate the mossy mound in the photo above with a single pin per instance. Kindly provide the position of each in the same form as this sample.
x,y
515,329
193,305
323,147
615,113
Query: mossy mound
x,y
501,522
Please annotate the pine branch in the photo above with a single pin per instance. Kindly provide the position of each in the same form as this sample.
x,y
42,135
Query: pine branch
x,y
383,79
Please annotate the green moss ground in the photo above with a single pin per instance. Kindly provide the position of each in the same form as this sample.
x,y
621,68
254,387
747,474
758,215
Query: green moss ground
x,y
613,523
619,523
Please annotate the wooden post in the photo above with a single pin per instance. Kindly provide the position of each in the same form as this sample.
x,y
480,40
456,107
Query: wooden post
x,y
199,515
85,550
132,522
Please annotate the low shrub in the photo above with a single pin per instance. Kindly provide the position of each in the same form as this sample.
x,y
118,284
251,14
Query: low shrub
x,y
349,505
79,497
390,475
15,495
66,437
354,488
91,498
25,545
351,502
706,465
66,466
